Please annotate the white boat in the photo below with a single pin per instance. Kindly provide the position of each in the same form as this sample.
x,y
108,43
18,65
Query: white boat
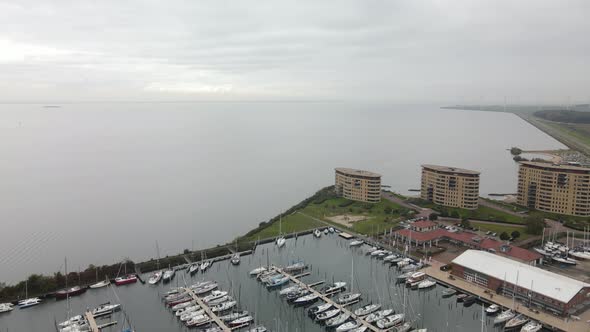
x,y
390,321
100,284
356,243
371,250
338,320
564,260
317,233
295,267
242,321
273,283
6,307
233,316
205,265
426,284
504,316
307,299
257,271
194,268
366,310
216,294
348,298
585,255
235,259
319,309
378,315
348,326
281,242
220,300
168,275
224,306
258,329
155,278
76,320
327,314
105,309
531,326
281,239
198,321
405,327
183,305
289,290
190,315
361,328
187,310
378,252
335,287
28,302
390,258
331,229
492,309
326,232
516,322
206,288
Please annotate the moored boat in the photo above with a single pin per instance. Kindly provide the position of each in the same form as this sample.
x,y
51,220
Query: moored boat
x,y
100,284
349,298
426,284
155,278
257,271
366,310
348,326
6,307
168,275
69,292
355,243
193,268
449,292
379,315
390,321
235,259
26,303
516,322
127,279
532,326
492,309
317,233
504,316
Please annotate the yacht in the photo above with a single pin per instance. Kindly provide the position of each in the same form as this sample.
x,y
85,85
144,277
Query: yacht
x,y
449,292
257,271
348,326
334,288
235,259
242,321
338,320
168,275
318,309
327,314
233,316
516,322
69,292
105,309
100,284
426,284
331,229
379,315
492,309
124,280
28,302
349,298
155,278
216,294
193,268
306,299
356,243
366,310
5,307
504,316
317,233
390,321
205,265
531,326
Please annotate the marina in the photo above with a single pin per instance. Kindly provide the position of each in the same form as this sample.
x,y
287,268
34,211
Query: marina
x,y
328,260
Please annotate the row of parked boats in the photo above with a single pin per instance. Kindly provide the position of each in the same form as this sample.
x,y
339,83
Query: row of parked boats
x,y
189,311
79,323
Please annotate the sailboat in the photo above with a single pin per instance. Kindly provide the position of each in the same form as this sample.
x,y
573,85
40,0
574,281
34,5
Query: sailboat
x,y
508,314
68,292
168,275
205,264
351,297
281,239
126,279
28,302
156,276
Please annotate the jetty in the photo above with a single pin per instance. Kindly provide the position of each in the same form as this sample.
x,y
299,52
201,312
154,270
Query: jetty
x,y
326,299
210,313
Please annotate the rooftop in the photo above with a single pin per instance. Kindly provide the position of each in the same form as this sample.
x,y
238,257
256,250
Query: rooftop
x,y
543,282
357,172
423,224
556,166
448,169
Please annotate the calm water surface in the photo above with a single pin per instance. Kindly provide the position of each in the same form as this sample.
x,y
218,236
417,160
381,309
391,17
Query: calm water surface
x,y
330,258
100,182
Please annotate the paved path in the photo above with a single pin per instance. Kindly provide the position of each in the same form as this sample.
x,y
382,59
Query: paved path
x,y
498,207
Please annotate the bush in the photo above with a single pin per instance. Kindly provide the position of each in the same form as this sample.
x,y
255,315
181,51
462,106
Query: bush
x,y
433,216
515,234
504,236
455,214
465,223
534,224
346,203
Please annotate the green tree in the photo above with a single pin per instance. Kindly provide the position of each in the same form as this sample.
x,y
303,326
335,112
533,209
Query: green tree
x,y
534,224
465,223
515,234
433,216
455,214
504,236
388,210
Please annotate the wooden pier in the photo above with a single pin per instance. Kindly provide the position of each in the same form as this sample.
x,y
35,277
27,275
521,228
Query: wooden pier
x,y
210,313
326,299
91,322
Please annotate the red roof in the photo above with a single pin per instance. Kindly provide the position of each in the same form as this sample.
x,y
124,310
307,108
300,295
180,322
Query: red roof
x,y
423,224
468,238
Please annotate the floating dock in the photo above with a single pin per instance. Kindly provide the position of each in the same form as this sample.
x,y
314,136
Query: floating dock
x,y
326,299
210,313
91,322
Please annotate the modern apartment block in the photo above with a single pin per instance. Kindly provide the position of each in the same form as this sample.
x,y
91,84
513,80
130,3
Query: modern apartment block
x,y
450,186
562,189
358,185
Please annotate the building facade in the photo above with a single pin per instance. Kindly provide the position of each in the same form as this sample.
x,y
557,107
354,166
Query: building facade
x,y
562,189
358,185
450,186
528,284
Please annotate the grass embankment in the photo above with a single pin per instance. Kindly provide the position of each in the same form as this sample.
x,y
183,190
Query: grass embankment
x,y
482,212
499,228
325,204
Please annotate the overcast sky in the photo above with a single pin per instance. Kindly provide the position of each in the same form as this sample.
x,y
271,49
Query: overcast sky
x,y
401,51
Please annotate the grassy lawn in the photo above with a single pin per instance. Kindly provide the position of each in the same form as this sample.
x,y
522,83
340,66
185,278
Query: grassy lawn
x,y
508,206
290,224
379,216
498,228
482,212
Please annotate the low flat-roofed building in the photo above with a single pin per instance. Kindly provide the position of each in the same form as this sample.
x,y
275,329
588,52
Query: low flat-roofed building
x,y
450,186
358,185
547,290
